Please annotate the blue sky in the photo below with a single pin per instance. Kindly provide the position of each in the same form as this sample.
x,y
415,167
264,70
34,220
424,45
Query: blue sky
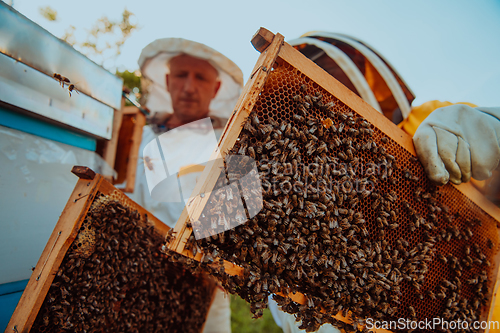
x,y
443,49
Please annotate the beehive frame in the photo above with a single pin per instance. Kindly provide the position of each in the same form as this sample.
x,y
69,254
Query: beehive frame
x,y
275,53
71,228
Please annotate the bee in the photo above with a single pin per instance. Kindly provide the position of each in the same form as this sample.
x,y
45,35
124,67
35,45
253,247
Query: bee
x,y
489,243
365,124
468,232
473,281
71,88
393,226
61,79
248,127
441,295
431,294
254,119
353,132
148,162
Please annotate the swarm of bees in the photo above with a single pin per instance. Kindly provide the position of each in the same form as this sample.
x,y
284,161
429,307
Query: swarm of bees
x,y
349,219
65,81
121,282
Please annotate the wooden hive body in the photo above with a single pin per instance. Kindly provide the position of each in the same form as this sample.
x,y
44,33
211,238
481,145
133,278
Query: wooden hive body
x,y
446,221
103,273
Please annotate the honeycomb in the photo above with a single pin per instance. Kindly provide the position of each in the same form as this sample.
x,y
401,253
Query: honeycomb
x,y
426,251
114,278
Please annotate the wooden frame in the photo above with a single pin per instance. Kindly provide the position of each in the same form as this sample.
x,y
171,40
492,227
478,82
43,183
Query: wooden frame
x,y
122,151
129,141
61,239
273,47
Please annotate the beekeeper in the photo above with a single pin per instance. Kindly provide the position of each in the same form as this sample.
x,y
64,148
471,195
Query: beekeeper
x,y
454,142
191,90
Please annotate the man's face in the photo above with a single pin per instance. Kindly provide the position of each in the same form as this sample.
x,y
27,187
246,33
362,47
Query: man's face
x,y
192,84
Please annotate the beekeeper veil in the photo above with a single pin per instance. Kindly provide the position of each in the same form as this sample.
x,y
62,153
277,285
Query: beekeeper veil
x,y
153,64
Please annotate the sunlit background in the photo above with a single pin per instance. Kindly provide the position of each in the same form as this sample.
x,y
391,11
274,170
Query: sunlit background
x,y
445,50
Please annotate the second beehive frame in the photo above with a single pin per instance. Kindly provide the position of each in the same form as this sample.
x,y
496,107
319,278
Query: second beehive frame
x,y
64,234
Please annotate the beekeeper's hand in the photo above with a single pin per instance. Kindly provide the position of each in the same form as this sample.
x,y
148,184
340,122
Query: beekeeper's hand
x,y
458,142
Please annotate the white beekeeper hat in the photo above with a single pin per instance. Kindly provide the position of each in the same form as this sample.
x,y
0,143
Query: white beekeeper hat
x,y
153,64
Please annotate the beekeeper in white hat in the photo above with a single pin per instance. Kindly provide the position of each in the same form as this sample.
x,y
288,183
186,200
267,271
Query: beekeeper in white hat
x,y
191,90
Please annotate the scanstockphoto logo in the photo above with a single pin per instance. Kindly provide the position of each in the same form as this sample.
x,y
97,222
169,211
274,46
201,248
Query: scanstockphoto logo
x,y
174,161
320,178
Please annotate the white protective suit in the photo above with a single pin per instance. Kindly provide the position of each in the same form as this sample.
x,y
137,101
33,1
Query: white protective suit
x,y
184,148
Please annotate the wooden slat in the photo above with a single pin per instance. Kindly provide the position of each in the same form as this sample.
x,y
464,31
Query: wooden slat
x,y
129,141
62,237
478,198
494,313
83,172
262,39
140,121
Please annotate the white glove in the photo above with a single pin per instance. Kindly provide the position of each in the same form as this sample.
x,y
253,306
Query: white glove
x,y
457,142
